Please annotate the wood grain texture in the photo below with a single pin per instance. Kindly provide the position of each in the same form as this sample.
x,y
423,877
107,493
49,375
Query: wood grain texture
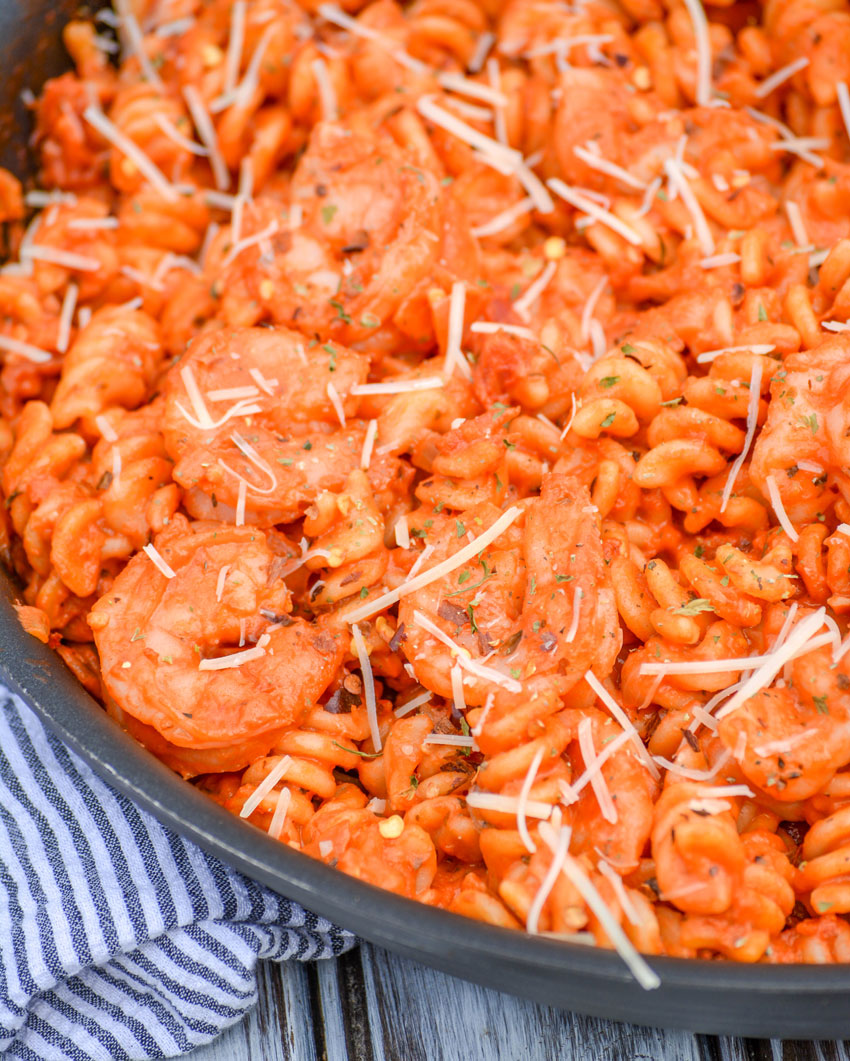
x,y
370,1005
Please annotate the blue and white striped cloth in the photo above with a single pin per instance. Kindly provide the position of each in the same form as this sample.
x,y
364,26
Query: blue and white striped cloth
x,y
119,939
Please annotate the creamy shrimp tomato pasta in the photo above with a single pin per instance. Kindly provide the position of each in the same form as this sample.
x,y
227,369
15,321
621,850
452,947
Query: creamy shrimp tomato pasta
x,y
425,428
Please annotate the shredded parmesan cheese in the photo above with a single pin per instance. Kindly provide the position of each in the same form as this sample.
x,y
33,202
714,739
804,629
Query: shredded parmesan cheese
x,y
279,816
458,698
276,774
399,386
505,219
491,327
207,133
98,120
559,856
752,424
590,306
776,660
611,169
368,443
236,659
522,802
454,353
241,498
780,77
488,674
368,686
597,780
620,716
718,261
573,871
843,94
402,534
336,402
779,508
451,124
27,350
753,348
677,178
578,596
222,578
795,220
445,567
703,45
496,801
56,256
235,45
534,290
580,201
411,705
324,86
69,304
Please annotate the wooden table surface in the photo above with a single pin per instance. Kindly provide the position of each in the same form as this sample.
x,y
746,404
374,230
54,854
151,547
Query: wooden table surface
x,y
370,1005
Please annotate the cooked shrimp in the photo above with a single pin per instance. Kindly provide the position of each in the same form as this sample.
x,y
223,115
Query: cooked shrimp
x,y
536,605
253,410
158,638
808,420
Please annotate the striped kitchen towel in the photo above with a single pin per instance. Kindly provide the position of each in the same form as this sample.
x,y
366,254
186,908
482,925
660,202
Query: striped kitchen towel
x,y
118,938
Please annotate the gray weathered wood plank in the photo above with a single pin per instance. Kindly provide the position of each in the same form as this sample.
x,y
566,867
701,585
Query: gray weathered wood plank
x,y
370,1005
279,1028
423,1015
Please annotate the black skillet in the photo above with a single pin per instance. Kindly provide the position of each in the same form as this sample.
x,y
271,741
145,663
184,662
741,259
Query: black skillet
x,y
718,997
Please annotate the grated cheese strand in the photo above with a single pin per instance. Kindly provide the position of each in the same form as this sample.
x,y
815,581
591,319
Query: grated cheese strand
x,y
505,219
616,882
280,811
703,44
222,578
368,686
66,316
501,804
235,45
578,597
597,781
402,534
752,348
56,256
548,883
573,871
276,774
491,327
611,169
620,716
445,567
534,290
98,120
237,658
324,86
580,201
752,424
435,114
522,802
679,181
207,133
400,386
779,509
593,768
795,220
464,658
776,660
368,444
458,698
158,562
411,705
843,94
780,76
336,402
454,354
